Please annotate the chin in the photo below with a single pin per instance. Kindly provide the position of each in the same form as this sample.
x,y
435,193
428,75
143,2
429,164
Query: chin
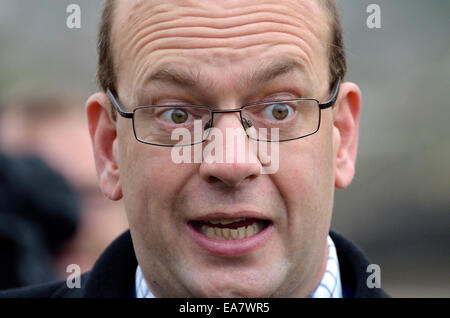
x,y
235,293
234,289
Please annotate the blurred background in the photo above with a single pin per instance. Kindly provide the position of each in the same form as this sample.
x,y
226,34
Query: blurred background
x,y
397,209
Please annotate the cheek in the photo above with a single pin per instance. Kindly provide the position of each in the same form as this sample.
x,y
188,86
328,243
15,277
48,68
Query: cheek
x,y
306,181
150,183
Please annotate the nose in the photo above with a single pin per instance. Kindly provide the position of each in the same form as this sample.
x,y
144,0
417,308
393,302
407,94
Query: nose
x,y
239,159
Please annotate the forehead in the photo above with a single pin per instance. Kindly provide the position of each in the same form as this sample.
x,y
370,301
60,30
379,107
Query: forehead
x,y
240,33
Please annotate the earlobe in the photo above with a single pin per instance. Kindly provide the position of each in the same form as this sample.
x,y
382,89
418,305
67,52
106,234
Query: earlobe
x,y
104,138
345,133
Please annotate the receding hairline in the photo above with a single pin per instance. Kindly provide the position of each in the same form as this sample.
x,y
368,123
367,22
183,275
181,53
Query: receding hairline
x,y
329,8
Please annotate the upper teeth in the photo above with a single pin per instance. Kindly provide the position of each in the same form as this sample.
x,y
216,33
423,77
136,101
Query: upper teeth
x,y
231,234
226,221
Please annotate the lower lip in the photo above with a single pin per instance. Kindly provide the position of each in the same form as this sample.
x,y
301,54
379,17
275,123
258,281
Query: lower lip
x,y
231,248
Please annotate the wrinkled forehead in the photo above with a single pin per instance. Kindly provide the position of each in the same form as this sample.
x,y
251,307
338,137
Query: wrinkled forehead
x,y
146,33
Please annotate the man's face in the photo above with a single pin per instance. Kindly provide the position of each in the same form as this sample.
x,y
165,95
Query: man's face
x,y
222,46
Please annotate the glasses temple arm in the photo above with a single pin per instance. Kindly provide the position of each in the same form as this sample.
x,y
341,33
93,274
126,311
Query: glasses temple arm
x,y
334,96
117,105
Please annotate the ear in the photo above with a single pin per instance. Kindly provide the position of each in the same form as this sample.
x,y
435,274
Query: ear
x,y
103,134
345,133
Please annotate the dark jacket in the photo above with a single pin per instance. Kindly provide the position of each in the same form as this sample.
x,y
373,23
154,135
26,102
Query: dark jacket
x,y
113,275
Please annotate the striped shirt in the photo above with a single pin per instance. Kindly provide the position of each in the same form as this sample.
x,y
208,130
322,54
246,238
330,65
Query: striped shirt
x,y
329,287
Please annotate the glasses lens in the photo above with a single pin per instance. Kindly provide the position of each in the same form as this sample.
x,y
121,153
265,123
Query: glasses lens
x,y
171,125
281,120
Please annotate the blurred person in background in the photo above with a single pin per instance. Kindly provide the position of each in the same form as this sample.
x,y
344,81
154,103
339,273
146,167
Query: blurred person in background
x,y
39,213
53,127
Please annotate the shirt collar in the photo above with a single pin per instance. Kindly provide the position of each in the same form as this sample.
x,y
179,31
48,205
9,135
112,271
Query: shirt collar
x,y
329,287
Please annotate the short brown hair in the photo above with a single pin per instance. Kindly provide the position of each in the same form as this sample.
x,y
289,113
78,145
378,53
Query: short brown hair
x,y
106,75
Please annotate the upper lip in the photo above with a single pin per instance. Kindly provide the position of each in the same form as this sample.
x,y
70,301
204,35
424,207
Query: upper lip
x,y
232,215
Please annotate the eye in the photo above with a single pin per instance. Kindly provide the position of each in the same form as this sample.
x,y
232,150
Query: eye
x,y
279,111
176,116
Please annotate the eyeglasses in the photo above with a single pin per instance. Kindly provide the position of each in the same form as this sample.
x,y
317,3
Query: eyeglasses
x,y
291,119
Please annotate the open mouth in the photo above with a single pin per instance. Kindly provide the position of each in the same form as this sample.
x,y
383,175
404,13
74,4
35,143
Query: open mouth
x,y
230,229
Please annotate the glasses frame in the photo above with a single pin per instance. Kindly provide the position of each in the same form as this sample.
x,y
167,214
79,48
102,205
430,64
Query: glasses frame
x,y
130,115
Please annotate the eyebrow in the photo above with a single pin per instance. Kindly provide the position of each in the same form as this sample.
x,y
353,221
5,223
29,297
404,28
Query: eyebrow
x,y
273,70
190,78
